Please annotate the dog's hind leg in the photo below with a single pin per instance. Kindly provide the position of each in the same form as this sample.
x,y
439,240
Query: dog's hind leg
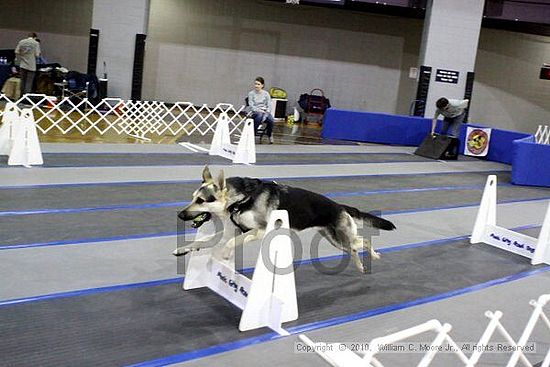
x,y
351,249
344,236
368,244
356,246
359,245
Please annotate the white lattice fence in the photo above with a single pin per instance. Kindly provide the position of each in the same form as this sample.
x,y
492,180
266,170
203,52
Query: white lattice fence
x,y
140,119
337,356
542,136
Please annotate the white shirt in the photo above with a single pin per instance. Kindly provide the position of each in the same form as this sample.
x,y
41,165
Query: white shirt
x,y
453,109
27,51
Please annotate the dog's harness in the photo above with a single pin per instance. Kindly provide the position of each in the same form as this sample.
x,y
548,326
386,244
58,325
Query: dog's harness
x,y
240,206
237,208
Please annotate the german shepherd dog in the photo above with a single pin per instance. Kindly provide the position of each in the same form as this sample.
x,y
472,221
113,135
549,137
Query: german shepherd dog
x,y
248,202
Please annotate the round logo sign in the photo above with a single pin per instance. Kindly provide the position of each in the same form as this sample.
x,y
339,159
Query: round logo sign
x,y
477,141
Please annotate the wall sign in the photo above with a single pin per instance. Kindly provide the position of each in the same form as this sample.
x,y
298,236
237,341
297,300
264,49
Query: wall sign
x,y
446,76
477,141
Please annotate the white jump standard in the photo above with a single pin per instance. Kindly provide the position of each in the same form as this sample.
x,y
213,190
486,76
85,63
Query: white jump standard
x,y
19,137
244,152
269,298
487,231
10,119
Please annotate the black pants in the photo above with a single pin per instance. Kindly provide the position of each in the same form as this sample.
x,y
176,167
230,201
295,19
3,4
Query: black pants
x,y
27,78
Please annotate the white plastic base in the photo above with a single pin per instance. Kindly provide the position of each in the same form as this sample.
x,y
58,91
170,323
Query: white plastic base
x,y
487,231
269,298
26,146
10,121
244,152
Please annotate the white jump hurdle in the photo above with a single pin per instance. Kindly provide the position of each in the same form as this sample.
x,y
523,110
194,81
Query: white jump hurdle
x,y
487,231
337,356
19,137
7,130
244,152
269,298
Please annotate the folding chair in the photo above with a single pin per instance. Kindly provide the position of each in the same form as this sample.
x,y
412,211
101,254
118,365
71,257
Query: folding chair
x,y
75,87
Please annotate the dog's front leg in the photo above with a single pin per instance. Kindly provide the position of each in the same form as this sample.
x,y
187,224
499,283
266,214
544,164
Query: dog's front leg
x,y
195,245
243,239
209,240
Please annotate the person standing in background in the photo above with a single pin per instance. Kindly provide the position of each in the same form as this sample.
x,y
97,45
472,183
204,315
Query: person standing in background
x,y
453,111
26,52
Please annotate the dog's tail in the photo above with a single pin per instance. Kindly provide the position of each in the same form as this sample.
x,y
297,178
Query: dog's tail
x,y
375,221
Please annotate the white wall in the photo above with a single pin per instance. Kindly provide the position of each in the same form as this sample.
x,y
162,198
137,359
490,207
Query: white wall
x,y
449,42
508,93
118,23
202,53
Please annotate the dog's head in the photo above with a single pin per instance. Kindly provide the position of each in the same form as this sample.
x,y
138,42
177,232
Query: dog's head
x,y
210,198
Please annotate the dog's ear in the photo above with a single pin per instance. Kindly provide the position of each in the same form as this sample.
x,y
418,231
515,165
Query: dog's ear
x,y
221,180
206,176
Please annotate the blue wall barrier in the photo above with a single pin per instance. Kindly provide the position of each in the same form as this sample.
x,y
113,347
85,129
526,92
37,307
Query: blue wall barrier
x,y
375,127
531,162
405,130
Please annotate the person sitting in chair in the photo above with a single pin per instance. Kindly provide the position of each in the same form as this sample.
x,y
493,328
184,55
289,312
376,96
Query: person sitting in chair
x,y
454,111
260,101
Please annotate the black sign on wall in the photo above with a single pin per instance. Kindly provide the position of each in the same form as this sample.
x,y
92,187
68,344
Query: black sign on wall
x,y
92,51
137,74
446,76
422,90
468,91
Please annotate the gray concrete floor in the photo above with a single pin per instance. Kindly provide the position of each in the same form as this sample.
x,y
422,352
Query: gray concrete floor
x,y
77,265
